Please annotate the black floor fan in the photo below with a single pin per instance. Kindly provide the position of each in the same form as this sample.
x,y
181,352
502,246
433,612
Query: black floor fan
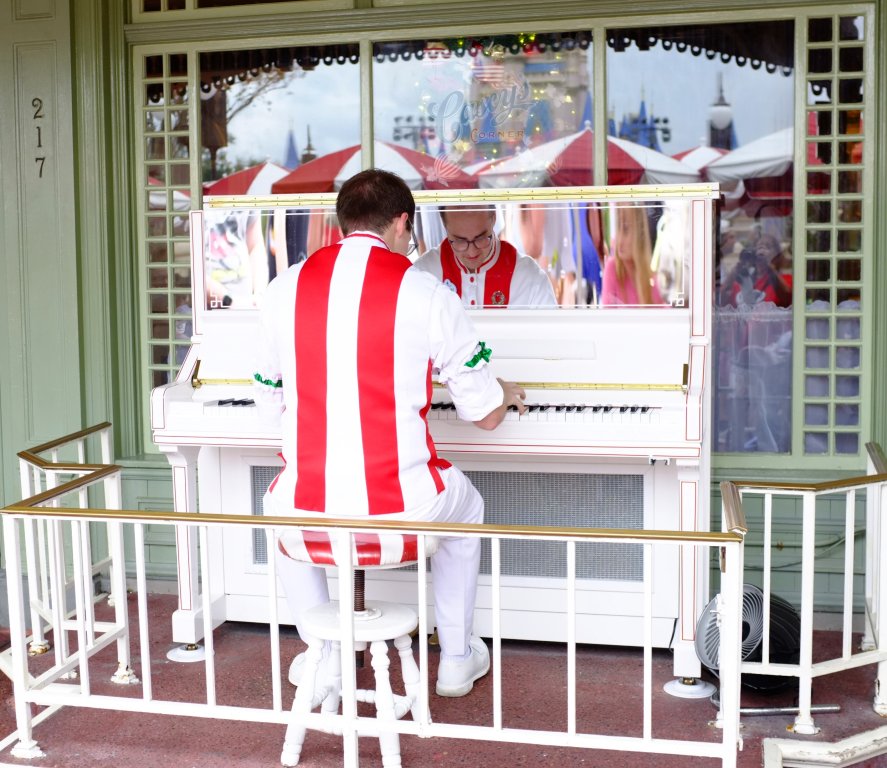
x,y
785,638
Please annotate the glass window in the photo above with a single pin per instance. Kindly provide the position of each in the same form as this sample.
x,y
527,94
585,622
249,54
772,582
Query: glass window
x,y
271,122
268,112
717,102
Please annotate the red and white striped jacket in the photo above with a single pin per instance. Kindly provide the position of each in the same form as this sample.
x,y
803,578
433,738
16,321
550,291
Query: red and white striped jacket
x,y
349,341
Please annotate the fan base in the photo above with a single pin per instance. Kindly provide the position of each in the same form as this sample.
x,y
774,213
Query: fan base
x,y
695,689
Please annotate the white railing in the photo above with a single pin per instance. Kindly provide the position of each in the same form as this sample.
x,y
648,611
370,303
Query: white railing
x,y
872,489
50,584
70,523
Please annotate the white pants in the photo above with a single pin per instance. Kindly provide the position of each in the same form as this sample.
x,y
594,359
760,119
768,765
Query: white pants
x,y
454,567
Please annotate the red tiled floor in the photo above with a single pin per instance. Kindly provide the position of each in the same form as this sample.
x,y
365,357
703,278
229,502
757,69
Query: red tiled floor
x,y
534,687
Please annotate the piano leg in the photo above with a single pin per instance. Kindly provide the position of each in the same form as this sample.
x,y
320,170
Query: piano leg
x,y
693,590
187,624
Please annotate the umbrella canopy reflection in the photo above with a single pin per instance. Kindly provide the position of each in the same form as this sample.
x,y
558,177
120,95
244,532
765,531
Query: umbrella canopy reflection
x,y
255,180
568,162
420,171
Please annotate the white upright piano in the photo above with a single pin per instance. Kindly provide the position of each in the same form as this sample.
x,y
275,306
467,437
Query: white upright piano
x,y
617,434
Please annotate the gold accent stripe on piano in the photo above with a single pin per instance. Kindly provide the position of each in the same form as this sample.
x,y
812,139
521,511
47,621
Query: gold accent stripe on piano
x,y
230,382
584,385
443,196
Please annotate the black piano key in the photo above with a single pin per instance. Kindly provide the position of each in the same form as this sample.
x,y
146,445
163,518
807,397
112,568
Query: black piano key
x,y
226,401
596,408
244,401
580,408
645,408
533,407
571,409
608,408
512,408
623,409
544,408
560,407
634,409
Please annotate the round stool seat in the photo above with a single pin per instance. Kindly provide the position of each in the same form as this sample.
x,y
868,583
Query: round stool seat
x,y
390,620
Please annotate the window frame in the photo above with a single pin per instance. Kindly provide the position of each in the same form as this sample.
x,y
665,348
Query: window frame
x,y
229,28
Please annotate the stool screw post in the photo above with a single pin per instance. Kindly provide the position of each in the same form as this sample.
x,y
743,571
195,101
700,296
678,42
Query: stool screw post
x,y
359,607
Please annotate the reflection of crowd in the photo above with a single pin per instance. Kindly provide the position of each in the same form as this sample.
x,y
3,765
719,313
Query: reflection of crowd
x,y
753,343
593,253
761,272
236,259
628,275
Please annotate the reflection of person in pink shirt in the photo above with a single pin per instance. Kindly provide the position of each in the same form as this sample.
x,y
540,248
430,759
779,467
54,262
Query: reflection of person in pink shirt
x,y
627,277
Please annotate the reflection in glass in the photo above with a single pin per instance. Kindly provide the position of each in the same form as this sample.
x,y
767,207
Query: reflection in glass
x,y
473,103
818,270
569,253
266,112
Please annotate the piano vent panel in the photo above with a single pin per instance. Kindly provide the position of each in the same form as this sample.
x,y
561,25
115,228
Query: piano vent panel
x,y
569,500
261,479
537,498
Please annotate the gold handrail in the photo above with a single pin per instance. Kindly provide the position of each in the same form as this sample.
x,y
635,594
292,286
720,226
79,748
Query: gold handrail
x,y
876,455
734,514
28,508
828,485
29,453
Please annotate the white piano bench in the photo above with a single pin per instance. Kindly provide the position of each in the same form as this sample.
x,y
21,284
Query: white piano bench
x,y
375,623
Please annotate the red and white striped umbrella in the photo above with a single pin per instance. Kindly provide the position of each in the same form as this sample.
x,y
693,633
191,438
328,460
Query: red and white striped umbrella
x,y
767,157
568,162
418,170
699,157
255,180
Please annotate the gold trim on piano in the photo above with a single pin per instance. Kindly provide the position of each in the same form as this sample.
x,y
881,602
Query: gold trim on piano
x,y
229,382
582,385
627,192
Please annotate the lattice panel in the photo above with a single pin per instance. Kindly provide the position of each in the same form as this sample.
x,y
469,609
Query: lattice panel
x,y
835,251
165,155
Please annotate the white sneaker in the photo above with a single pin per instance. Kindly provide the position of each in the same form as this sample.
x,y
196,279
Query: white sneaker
x,y
456,678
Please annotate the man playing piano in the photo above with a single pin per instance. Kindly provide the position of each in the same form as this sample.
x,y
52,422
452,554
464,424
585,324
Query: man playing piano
x,y
349,340
484,270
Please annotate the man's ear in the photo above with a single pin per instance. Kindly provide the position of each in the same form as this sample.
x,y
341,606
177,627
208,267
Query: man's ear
x,y
402,223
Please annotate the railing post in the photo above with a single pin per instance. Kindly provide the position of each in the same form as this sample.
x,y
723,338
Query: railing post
x,y
804,721
879,610
729,661
26,747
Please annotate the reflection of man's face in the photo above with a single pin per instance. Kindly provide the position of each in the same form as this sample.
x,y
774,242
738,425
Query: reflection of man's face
x,y
470,234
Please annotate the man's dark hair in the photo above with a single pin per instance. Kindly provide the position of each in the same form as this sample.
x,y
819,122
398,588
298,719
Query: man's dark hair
x,y
445,209
371,199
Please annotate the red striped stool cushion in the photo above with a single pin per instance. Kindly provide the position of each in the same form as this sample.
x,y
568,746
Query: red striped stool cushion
x,y
368,549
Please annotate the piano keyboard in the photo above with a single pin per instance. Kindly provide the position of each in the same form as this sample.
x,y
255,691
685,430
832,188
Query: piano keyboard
x,y
562,412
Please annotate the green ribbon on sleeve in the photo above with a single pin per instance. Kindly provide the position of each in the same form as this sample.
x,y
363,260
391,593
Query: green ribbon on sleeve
x,y
267,382
481,352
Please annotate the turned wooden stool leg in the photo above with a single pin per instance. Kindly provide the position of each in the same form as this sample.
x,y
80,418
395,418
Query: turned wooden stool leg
x,y
389,742
302,704
410,671
333,679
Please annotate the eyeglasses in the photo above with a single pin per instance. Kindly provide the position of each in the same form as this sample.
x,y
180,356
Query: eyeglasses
x,y
461,244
